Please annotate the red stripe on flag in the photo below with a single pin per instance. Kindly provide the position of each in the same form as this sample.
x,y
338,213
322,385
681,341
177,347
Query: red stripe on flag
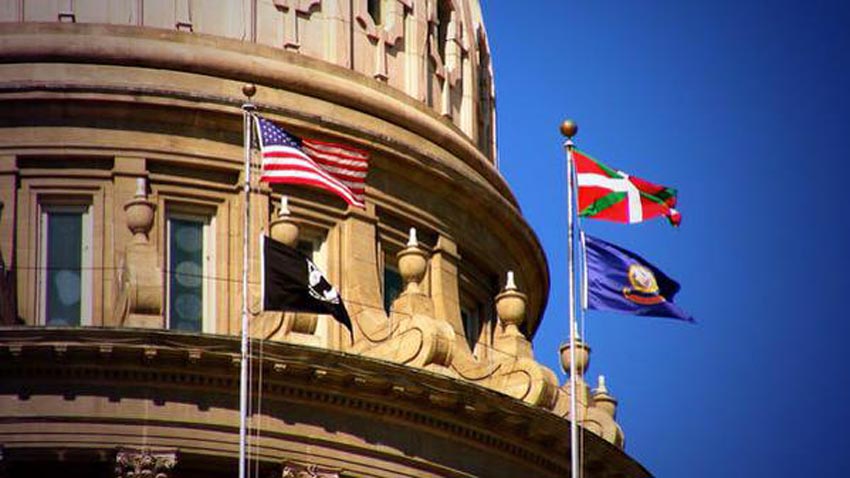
x,y
320,144
274,173
585,164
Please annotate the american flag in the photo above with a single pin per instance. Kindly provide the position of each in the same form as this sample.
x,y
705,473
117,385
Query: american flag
x,y
289,159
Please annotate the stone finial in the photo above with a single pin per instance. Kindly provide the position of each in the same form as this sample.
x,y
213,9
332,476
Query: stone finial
x,y
603,400
283,210
510,306
140,213
283,228
144,463
412,263
582,356
509,282
141,188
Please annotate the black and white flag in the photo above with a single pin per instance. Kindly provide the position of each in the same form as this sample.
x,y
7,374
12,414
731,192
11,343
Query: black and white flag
x,y
291,281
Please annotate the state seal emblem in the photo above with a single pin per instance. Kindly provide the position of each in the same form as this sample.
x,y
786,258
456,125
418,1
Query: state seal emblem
x,y
644,287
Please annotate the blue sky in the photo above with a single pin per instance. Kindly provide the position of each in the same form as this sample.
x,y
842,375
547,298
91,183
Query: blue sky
x,y
744,106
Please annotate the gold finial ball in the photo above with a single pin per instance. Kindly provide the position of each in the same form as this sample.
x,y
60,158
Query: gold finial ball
x,y
249,89
569,128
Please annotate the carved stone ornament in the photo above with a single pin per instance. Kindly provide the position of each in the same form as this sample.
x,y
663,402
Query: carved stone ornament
x,y
412,263
300,470
144,463
291,9
140,213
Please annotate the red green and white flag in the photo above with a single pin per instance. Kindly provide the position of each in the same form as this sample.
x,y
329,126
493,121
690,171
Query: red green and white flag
x,y
611,195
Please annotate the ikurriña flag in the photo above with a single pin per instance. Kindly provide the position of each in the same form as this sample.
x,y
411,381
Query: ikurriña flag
x,y
291,281
619,280
337,168
612,195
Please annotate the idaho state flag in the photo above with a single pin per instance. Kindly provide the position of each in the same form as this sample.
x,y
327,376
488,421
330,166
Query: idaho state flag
x,y
618,280
292,282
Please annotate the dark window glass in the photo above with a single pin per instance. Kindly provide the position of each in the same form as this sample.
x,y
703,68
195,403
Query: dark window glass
x,y
374,7
186,274
392,287
471,326
64,268
444,16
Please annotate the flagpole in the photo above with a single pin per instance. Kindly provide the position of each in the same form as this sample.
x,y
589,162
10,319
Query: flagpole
x,y
247,109
569,128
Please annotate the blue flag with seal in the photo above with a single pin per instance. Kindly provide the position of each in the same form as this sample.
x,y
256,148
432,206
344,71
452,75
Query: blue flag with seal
x,y
618,280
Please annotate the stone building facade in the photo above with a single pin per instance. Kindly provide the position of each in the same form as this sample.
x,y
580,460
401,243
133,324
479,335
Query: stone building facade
x,y
121,225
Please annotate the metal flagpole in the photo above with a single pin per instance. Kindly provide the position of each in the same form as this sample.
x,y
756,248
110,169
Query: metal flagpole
x,y
247,109
569,129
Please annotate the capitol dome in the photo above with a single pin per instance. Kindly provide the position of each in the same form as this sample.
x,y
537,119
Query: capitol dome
x,y
121,182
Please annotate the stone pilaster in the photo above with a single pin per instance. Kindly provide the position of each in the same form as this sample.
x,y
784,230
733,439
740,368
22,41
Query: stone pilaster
x,y
444,283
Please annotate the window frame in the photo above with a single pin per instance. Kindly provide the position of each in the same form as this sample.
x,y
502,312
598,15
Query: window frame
x,y
209,317
63,205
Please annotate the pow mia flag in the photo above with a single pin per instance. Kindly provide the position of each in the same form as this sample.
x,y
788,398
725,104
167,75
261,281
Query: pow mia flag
x,y
292,282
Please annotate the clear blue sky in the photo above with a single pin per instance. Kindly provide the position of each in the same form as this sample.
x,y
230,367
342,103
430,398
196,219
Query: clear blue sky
x,y
744,106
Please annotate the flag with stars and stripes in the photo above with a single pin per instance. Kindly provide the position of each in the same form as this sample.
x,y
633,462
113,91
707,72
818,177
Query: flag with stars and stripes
x,y
337,168
611,195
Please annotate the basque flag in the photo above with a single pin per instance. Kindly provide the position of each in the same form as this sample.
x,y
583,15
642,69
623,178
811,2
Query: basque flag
x,y
618,280
611,195
291,281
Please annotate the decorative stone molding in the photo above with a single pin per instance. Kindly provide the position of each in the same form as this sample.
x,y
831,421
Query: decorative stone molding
x,y
144,462
338,382
291,9
447,67
140,282
414,337
386,35
520,375
293,469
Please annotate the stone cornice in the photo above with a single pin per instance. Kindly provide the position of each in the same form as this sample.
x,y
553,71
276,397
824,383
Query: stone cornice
x,y
292,373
